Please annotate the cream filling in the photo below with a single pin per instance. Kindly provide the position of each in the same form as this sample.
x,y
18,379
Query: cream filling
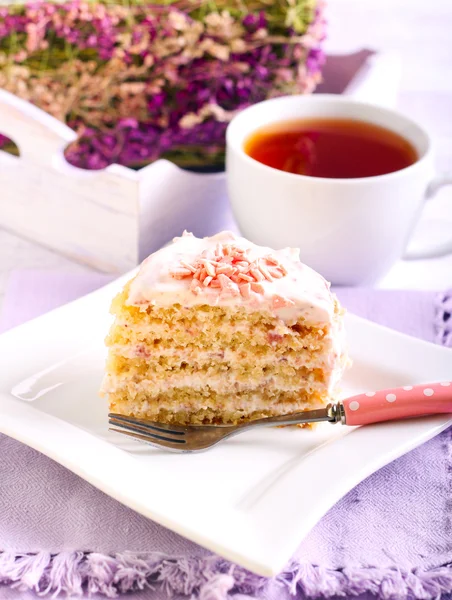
x,y
297,360
253,404
221,384
216,334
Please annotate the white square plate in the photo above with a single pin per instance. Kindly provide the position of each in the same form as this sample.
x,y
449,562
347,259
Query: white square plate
x,y
250,499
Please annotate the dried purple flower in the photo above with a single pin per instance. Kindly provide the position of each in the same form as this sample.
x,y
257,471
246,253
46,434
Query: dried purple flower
x,y
145,81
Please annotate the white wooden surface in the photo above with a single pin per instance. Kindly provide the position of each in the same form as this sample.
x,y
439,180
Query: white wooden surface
x,y
420,32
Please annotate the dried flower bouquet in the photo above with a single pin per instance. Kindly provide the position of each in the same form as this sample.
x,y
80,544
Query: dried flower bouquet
x,y
141,80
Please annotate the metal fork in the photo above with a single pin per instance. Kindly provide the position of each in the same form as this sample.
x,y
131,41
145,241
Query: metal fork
x,y
192,438
371,407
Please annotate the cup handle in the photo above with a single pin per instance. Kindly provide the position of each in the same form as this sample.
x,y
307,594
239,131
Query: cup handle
x,y
436,250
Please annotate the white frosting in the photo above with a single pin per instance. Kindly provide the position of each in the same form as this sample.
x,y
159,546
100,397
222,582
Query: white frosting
x,y
308,293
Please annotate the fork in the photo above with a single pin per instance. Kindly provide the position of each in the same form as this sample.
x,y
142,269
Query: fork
x,y
370,407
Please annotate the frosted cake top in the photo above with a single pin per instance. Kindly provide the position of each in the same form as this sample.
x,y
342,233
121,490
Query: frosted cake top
x,y
227,270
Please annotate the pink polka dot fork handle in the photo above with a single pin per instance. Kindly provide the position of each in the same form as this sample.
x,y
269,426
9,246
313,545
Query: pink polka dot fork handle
x,y
398,403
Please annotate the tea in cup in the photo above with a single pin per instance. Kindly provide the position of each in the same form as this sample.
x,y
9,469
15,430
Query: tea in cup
x,y
342,180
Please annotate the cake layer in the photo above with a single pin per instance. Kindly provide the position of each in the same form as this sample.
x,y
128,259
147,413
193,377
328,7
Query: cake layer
x,y
232,323
218,378
261,357
187,406
231,329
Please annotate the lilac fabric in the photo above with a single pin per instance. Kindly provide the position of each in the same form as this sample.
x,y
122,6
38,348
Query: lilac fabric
x,y
391,536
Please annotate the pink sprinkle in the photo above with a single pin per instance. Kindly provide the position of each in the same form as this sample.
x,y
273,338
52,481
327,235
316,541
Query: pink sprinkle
x,y
280,302
238,269
272,260
245,277
225,270
209,268
258,276
181,273
224,280
276,273
195,287
231,292
228,267
263,269
245,289
257,287
188,266
228,285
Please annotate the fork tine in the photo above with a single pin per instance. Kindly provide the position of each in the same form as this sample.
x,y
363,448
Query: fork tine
x,y
161,427
159,434
188,438
157,443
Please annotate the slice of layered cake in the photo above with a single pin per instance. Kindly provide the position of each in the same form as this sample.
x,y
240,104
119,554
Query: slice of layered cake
x,y
219,330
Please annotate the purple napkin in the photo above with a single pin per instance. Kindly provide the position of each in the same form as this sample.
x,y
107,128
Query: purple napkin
x,y
391,536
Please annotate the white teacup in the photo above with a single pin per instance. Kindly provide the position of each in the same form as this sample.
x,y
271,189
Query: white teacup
x,y
350,230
